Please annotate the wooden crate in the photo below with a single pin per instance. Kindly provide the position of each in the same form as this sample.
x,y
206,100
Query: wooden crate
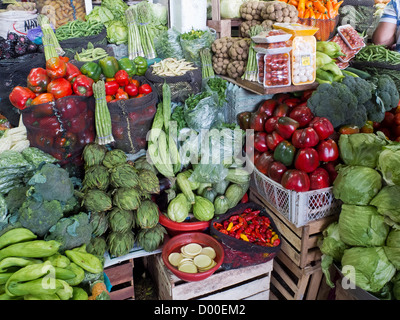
x,y
298,243
223,27
249,283
121,278
290,282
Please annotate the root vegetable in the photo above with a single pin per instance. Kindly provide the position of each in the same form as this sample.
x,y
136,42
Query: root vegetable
x,y
244,29
240,49
236,69
251,10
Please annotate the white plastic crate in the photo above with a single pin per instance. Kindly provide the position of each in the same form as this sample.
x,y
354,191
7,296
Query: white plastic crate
x,y
298,207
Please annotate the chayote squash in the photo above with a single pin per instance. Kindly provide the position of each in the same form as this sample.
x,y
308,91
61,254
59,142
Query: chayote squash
x,y
178,209
234,194
221,204
209,194
203,209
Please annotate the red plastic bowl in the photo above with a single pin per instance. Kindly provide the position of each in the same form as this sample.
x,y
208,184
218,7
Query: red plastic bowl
x,y
175,228
175,244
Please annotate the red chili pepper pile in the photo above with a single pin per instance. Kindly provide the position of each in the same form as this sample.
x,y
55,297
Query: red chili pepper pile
x,y
250,226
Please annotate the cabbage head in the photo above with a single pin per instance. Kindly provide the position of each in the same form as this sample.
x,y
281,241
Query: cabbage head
x,y
392,248
332,245
362,226
356,184
396,286
361,149
117,32
387,201
389,164
369,268
230,9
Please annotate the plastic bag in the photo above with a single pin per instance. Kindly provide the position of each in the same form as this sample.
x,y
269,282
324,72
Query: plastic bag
x,y
230,9
191,48
167,45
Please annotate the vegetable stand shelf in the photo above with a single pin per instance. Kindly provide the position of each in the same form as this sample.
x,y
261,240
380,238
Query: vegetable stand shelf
x,y
223,27
258,88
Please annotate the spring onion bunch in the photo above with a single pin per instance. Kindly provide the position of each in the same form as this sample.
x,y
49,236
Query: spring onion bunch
x,y
49,38
251,69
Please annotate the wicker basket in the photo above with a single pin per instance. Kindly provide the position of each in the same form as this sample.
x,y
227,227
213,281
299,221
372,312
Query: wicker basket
x,y
298,207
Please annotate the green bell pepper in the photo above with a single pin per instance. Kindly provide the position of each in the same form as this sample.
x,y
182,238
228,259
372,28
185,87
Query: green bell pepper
x,y
285,153
109,66
141,65
127,65
92,70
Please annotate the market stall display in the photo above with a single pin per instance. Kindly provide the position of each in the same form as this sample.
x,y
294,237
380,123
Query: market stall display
x,y
126,145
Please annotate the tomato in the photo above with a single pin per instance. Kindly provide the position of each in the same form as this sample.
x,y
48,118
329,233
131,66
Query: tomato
x,y
43,110
397,118
118,132
276,171
296,180
319,179
43,141
145,89
50,125
30,120
68,108
77,125
388,121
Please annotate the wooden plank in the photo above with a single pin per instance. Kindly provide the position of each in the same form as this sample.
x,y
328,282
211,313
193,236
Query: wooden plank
x,y
259,296
222,27
215,10
242,291
123,294
281,289
219,281
314,285
120,273
320,225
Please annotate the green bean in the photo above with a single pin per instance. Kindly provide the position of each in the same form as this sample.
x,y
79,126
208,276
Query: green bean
x,y
378,53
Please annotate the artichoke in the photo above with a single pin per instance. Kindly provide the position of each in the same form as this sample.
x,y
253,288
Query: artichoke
x,y
124,175
120,243
127,198
147,214
142,163
96,177
97,246
99,222
149,181
114,158
97,200
121,220
93,153
150,239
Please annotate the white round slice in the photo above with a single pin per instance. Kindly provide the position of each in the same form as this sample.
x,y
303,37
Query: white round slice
x,y
184,260
209,251
174,258
192,249
202,261
188,268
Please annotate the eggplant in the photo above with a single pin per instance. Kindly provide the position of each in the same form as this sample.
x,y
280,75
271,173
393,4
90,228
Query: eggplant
x,y
12,36
31,48
20,49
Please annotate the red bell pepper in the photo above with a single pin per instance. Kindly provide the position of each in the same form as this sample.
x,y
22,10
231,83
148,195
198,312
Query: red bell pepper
x,y
330,168
292,102
276,171
328,150
257,121
322,126
21,97
268,107
306,159
145,89
122,78
264,161
281,110
109,98
43,98
37,80
72,72
244,120
281,97
111,87
296,180
302,114
305,138
131,90
59,87
285,126
319,179
260,141
273,140
270,124
121,95
56,68
82,86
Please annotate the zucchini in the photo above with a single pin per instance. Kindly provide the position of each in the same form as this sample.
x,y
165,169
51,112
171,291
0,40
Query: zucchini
x,y
360,73
238,176
184,185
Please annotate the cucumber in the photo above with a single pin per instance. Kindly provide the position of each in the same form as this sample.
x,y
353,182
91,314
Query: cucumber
x,y
360,73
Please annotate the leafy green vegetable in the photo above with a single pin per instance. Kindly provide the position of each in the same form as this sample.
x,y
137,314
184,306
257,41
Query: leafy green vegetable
x,y
369,267
329,48
117,8
218,85
356,184
117,32
361,149
362,226
387,202
101,14
389,164
332,245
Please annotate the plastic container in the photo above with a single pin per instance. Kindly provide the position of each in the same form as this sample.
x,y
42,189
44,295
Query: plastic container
x,y
175,228
349,53
240,253
304,60
277,70
326,27
186,15
174,245
271,36
351,37
296,29
275,47
260,67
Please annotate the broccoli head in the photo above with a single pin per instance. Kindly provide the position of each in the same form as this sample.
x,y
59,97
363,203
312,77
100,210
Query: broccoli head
x,y
386,91
52,182
71,232
360,87
334,101
39,216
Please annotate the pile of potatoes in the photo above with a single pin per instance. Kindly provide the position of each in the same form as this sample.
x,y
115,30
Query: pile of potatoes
x,y
230,56
62,11
265,13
